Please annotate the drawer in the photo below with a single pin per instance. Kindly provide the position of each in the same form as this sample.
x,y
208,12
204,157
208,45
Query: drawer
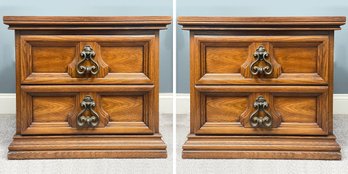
x,y
88,59
261,59
276,110
69,109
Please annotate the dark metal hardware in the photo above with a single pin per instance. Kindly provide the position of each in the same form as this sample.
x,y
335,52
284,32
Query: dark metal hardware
x,y
88,121
260,55
87,54
255,120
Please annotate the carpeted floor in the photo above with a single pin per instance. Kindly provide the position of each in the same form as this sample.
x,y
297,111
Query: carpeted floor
x,y
164,166
83,166
244,166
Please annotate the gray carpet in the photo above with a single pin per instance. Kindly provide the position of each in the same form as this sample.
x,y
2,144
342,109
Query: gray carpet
x,y
244,166
83,166
164,166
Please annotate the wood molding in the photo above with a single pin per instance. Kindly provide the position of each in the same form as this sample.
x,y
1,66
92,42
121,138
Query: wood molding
x,y
261,23
107,146
86,22
262,147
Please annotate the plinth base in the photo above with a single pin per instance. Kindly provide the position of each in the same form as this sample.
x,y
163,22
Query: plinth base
x,y
262,147
91,146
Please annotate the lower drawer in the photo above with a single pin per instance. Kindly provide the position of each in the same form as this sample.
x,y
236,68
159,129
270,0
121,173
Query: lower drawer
x,y
272,110
88,109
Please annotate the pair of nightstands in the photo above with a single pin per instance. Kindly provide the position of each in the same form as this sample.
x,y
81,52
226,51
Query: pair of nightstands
x,y
87,87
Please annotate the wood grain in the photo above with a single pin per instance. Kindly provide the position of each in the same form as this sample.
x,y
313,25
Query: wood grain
x,y
225,109
58,58
298,59
123,59
225,59
123,108
52,109
297,109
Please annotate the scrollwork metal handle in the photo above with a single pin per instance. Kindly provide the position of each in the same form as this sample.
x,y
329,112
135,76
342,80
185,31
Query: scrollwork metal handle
x,y
88,121
87,54
261,55
255,120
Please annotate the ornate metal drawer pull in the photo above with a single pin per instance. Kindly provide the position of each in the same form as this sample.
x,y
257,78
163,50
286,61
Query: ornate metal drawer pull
x,y
255,121
89,121
260,55
87,55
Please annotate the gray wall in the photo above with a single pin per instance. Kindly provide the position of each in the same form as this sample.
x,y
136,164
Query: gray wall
x,y
264,8
82,8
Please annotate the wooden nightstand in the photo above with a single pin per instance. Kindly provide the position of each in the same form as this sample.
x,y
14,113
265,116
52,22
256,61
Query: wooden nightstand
x,y
87,87
261,87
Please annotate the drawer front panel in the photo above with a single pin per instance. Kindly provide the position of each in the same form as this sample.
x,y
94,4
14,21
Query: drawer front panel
x,y
87,110
261,59
123,108
52,58
58,107
277,110
87,59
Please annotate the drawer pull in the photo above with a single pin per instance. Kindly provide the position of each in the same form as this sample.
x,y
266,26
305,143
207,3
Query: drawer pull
x,y
255,120
87,54
89,121
260,55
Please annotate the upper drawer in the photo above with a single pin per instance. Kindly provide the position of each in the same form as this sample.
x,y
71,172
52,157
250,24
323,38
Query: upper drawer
x,y
261,59
86,59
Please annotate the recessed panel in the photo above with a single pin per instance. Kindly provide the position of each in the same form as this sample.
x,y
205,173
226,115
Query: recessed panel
x,y
225,109
297,58
225,59
123,59
52,59
52,108
296,108
123,108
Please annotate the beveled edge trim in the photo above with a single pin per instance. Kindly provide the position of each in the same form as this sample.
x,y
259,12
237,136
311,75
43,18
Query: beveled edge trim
x,y
261,23
81,22
294,20
85,154
87,88
251,88
283,79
